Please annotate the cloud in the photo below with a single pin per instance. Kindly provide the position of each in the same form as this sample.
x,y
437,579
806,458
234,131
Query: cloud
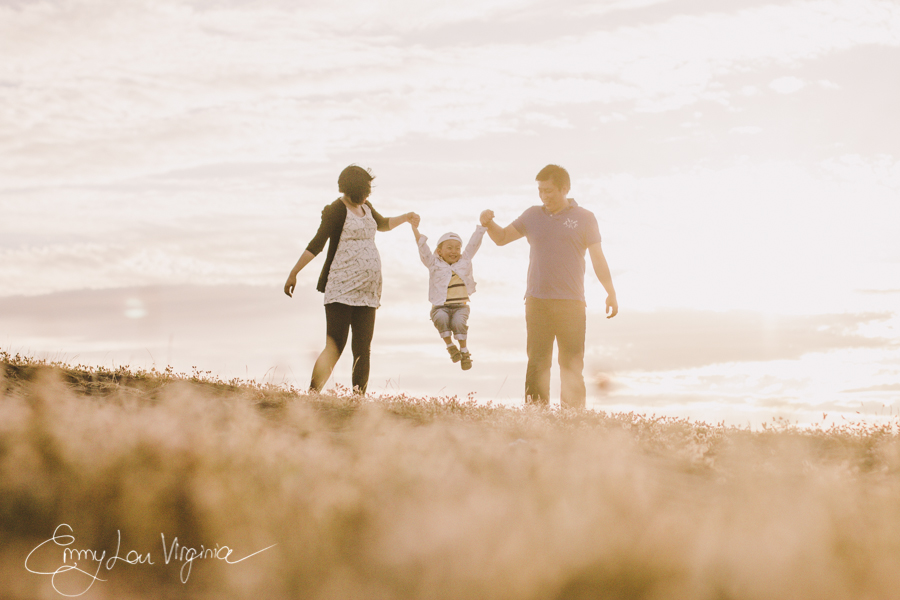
x,y
737,237
787,85
706,238
682,339
97,91
745,130
174,142
233,330
248,331
887,387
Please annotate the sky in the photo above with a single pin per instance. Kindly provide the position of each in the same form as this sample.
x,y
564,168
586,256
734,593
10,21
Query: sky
x,y
164,163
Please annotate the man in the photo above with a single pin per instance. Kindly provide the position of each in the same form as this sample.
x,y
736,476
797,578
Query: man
x,y
559,232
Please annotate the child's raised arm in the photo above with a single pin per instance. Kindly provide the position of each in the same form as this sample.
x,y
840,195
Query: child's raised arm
x,y
425,254
475,241
414,223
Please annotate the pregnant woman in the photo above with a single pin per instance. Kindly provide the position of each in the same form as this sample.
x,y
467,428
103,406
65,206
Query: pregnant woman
x,y
351,276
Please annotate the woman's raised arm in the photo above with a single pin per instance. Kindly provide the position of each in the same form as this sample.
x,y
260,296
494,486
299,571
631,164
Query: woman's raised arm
x,y
395,221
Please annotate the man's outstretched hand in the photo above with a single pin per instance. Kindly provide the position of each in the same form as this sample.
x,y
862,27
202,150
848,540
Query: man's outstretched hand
x,y
486,217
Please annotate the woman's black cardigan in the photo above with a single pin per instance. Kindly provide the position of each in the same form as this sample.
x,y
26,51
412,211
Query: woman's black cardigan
x,y
333,217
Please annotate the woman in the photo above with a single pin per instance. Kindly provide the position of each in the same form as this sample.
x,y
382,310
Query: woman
x,y
351,276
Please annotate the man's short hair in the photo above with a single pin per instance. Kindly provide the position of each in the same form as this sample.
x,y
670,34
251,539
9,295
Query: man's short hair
x,y
356,182
556,174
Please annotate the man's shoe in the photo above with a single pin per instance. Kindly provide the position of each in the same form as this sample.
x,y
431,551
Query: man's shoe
x,y
466,360
455,354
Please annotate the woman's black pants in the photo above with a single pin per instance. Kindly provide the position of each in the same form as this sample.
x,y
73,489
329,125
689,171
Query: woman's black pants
x,y
340,319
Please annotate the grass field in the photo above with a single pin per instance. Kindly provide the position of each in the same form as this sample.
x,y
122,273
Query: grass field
x,y
432,498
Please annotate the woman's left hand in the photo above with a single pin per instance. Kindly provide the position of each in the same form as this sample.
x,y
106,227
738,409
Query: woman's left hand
x,y
290,284
400,219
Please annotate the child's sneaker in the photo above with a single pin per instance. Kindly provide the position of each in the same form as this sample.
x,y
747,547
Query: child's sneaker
x,y
455,354
466,360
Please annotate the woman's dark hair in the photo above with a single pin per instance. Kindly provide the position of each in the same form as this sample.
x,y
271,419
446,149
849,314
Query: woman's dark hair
x,y
356,183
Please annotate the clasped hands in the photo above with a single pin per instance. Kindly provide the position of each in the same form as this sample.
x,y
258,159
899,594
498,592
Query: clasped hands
x,y
486,217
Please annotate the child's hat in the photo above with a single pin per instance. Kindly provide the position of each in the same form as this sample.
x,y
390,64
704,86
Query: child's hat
x,y
449,236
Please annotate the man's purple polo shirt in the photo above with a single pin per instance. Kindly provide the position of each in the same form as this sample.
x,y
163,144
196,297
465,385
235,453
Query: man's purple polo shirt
x,y
558,244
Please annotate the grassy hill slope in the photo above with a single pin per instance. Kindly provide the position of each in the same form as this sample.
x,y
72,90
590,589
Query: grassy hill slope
x,y
398,497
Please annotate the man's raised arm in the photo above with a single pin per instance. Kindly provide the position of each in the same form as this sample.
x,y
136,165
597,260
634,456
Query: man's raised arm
x,y
500,235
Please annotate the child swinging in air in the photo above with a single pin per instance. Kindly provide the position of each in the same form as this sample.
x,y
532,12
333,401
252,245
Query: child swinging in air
x,y
450,283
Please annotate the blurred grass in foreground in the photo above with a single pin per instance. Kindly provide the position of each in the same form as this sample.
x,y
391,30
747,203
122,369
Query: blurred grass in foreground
x,y
398,497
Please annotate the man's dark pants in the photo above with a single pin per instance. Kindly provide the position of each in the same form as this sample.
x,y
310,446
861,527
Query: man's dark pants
x,y
564,321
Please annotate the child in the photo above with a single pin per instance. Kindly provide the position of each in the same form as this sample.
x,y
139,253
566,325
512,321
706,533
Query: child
x,y
450,283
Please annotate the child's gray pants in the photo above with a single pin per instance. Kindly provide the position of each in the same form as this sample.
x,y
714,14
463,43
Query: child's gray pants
x,y
449,318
